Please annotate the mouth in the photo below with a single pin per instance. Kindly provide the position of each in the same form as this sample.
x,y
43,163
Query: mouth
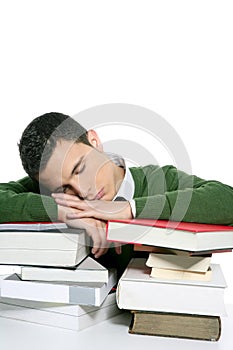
x,y
100,194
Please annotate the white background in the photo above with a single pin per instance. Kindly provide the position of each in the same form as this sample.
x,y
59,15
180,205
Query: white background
x,y
173,57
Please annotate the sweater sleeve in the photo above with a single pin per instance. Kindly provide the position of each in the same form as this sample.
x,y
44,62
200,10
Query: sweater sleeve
x,y
21,201
187,198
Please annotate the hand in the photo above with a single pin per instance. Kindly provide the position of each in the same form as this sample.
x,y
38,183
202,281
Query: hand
x,y
99,209
96,229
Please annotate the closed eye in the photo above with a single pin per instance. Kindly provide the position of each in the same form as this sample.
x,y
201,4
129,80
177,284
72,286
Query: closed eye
x,y
76,167
80,170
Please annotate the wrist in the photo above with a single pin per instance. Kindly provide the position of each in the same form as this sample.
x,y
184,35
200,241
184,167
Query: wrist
x,y
61,213
127,213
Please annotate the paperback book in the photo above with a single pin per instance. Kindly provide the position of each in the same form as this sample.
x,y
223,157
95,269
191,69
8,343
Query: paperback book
x,y
89,270
82,293
72,317
179,262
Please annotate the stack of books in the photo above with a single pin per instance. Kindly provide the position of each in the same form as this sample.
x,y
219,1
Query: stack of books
x,y
175,290
49,277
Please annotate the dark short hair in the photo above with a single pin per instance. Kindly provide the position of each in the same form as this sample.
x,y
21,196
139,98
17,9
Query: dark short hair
x,y
40,137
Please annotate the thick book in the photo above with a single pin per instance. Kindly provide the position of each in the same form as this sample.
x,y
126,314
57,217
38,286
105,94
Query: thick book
x,y
63,247
89,270
198,327
170,234
73,317
136,290
179,262
82,293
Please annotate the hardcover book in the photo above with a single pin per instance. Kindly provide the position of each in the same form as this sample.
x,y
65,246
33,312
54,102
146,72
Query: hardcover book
x,y
66,247
136,290
198,327
187,236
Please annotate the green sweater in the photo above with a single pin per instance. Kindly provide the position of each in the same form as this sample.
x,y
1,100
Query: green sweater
x,y
160,193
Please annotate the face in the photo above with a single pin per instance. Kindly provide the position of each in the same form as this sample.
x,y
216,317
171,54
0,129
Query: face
x,y
82,170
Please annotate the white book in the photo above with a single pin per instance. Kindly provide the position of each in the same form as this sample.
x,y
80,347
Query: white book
x,y
181,275
179,262
75,317
60,308
83,293
89,270
9,269
44,248
136,290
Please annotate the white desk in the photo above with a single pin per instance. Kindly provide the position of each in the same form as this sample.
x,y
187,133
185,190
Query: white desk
x,y
111,334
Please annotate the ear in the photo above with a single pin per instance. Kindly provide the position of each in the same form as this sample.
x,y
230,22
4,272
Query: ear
x,y
94,140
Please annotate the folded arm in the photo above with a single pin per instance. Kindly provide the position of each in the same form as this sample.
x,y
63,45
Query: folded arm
x,y
21,201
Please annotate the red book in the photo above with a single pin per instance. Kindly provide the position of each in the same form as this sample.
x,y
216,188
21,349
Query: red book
x,y
193,237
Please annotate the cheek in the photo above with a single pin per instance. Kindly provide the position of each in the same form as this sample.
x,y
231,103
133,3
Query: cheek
x,y
103,175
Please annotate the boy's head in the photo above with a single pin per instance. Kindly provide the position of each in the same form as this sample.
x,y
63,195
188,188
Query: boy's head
x,y
40,137
64,157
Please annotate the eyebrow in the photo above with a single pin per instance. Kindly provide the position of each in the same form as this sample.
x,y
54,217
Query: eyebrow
x,y
60,188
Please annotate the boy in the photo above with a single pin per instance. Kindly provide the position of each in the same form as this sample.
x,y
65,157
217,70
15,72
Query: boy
x,y
73,180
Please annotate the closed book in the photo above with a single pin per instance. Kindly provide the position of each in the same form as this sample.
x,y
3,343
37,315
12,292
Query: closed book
x,y
179,262
89,270
73,317
187,236
198,327
9,269
60,308
152,249
136,290
66,247
83,293
181,275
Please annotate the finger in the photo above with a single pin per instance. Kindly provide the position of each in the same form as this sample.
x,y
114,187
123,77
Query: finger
x,y
102,242
99,248
71,203
100,252
118,248
64,195
80,215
